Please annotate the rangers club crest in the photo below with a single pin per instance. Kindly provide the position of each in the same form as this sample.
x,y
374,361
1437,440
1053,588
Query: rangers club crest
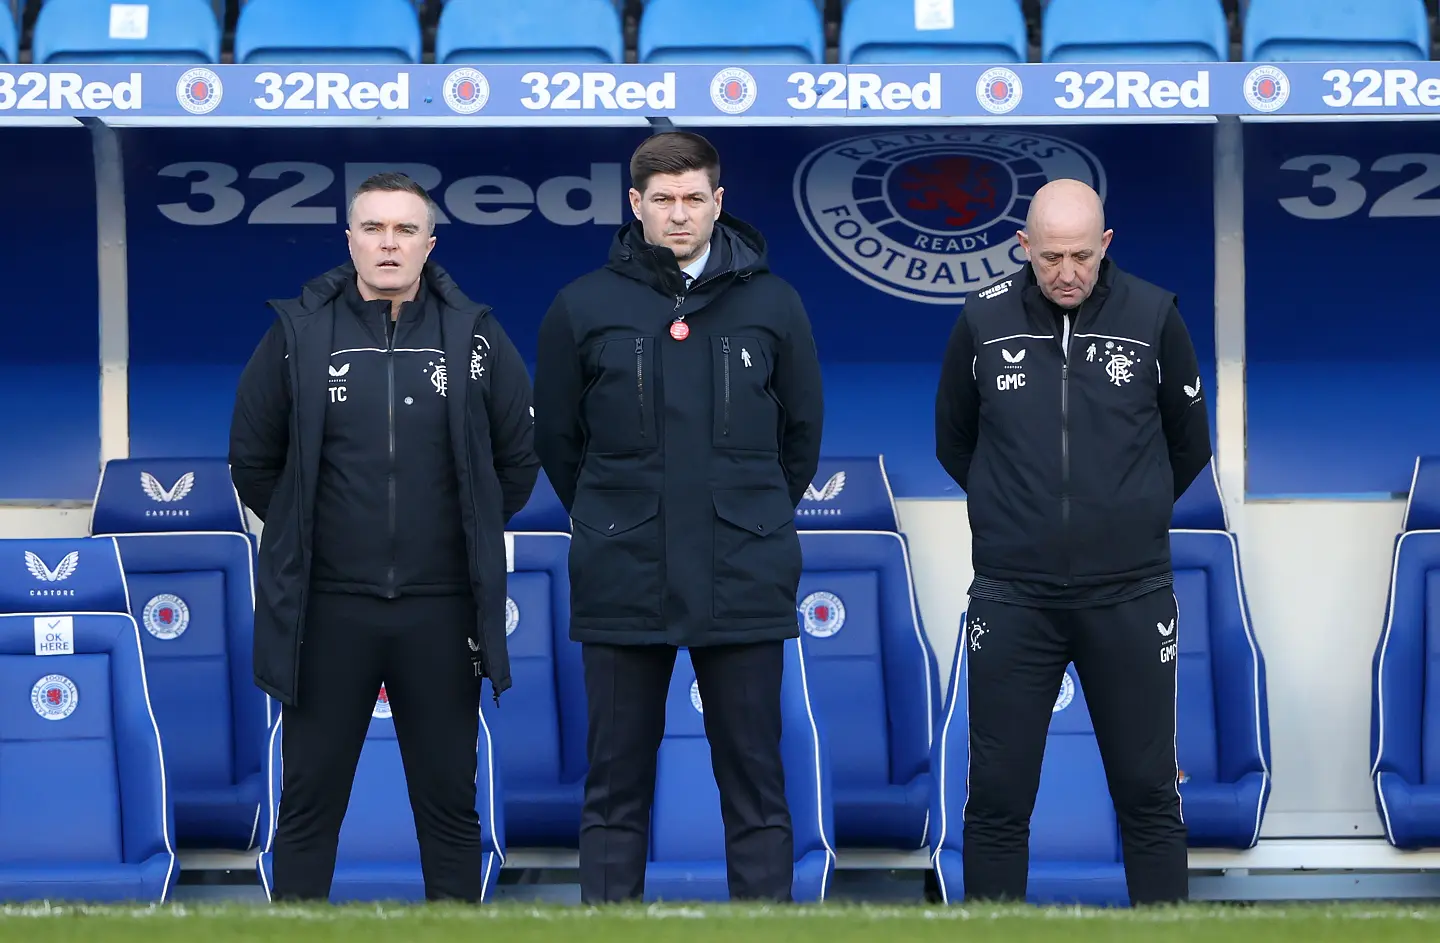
x,y
931,214
55,697
823,614
166,616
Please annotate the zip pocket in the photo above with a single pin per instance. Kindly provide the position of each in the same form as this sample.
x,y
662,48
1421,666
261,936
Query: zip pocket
x,y
640,380
725,348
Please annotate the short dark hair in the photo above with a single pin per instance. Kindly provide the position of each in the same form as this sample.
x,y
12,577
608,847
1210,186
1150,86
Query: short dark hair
x,y
674,152
394,182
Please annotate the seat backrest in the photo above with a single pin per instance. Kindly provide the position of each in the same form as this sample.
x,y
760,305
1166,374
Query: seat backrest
x,y
685,817
1405,697
82,771
541,728
177,31
540,732
361,31
536,31
1135,30
877,31
1221,713
737,33
1074,817
9,37
1303,30
873,672
190,565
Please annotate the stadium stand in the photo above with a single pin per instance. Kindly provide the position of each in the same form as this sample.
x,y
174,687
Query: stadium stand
x,y
687,837
873,31
189,562
1303,30
737,33
9,37
86,815
536,31
378,858
1222,708
370,31
872,671
1405,711
176,31
1075,855
1135,30
540,732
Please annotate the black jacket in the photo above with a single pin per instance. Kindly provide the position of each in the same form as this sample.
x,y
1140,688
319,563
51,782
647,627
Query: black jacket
x,y
1071,468
387,504
680,462
276,439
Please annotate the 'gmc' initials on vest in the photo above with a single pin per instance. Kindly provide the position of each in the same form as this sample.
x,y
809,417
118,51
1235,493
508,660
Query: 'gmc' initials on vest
x,y
1009,381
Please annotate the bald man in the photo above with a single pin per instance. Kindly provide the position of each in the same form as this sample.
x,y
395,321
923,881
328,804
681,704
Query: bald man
x,y
1070,411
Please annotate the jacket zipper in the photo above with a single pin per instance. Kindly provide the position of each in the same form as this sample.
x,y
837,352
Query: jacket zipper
x,y
390,471
725,347
1065,448
640,380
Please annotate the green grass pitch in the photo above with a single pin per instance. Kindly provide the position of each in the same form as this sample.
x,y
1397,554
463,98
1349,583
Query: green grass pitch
x,y
830,923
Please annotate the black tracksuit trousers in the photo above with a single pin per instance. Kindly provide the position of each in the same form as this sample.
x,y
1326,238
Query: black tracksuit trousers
x,y
626,687
1124,655
415,646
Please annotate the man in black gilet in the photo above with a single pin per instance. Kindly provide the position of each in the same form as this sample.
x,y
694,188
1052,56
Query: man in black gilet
x,y
383,431
1070,411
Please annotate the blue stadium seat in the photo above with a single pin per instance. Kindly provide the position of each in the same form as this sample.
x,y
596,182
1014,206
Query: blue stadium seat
x,y
1405,708
1135,31
84,810
540,728
873,673
175,31
319,31
190,565
740,32
9,38
873,31
378,858
534,31
1075,855
687,837
1304,30
1222,711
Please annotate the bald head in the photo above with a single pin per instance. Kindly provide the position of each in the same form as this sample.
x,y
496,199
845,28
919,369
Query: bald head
x,y
1065,239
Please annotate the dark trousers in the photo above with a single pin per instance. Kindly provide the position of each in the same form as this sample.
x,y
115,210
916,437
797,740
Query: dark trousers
x,y
416,647
626,687
1125,658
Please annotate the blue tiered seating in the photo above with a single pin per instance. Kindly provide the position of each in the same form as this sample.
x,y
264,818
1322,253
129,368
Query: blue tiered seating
x,y
190,564
540,729
1405,708
874,677
85,814
1222,709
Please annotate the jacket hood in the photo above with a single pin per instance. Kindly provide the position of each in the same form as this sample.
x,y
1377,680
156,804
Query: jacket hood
x,y
736,248
325,288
